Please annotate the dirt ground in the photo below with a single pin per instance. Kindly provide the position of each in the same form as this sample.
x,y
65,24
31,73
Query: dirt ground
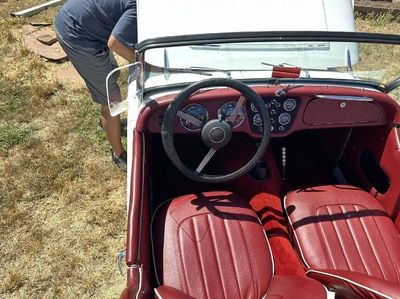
x,y
62,202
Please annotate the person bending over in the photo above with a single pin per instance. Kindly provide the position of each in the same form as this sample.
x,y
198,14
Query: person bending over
x,y
89,31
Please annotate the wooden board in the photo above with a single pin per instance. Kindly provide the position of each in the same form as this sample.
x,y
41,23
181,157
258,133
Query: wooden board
x,y
36,9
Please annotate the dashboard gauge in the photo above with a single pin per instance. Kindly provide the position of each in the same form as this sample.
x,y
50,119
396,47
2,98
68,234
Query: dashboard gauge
x,y
198,112
284,118
226,110
257,120
289,104
254,108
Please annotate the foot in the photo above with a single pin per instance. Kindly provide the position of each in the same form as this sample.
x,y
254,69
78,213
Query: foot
x,y
121,160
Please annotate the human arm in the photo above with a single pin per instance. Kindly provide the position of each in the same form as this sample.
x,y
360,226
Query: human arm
x,y
116,46
124,35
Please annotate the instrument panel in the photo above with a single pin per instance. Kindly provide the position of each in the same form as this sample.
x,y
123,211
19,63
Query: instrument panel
x,y
282,112
200,113
311,107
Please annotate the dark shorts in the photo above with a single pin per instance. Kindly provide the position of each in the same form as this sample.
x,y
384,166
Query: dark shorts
x,y
94,68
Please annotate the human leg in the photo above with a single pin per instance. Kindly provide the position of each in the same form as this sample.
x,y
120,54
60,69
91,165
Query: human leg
x,y
94,68
112,129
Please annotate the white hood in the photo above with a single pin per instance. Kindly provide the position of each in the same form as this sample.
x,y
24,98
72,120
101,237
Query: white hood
x,y
160,18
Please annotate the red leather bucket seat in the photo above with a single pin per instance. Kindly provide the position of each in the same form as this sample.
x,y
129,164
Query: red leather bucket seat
x,y
347,240
212,245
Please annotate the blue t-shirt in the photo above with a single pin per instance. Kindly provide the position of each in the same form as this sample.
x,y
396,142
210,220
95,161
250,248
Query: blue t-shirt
x,y
89,23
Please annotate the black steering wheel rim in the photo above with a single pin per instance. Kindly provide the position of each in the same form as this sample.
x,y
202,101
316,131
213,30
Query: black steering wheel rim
x,y
167,128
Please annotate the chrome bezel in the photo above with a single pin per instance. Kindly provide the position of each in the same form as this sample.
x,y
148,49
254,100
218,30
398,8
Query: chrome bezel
x,y
290,99
241,108
289,118
257,115
181,120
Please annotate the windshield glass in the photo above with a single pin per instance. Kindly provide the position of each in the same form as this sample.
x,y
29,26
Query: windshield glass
x,y
317,60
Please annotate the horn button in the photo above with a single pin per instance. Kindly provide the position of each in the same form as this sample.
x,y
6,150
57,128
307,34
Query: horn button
x,y
216,134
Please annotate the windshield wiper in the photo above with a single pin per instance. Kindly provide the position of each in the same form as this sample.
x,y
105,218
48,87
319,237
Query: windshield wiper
x,y
206,71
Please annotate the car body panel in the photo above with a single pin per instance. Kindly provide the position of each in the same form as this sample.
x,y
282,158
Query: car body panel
x,y
180,17
329,107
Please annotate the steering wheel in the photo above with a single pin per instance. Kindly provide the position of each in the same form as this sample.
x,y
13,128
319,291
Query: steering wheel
x,y
215,133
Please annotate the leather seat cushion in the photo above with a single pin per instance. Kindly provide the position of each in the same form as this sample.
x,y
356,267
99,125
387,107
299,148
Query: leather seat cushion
x,y
344,228
211,243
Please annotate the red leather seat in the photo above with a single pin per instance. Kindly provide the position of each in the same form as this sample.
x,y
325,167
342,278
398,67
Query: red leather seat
x,y
212,245
345,237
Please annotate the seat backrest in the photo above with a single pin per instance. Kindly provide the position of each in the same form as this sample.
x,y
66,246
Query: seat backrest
x,y
211,245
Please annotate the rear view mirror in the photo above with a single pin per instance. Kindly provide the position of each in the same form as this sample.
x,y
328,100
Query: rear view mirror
x,y
119,98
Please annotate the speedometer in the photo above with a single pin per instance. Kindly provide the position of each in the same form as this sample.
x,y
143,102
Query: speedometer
x,y
227,109
198,112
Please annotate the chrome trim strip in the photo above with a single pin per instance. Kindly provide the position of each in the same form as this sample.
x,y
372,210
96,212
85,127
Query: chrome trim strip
x,y
157,294
141,198
140,269
344,98
352,282
397,137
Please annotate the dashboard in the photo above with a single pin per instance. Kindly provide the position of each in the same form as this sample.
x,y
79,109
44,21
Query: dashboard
x,y
318,107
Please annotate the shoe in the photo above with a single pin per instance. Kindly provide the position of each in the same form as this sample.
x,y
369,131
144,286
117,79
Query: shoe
x,y
100,126
120,161
124,125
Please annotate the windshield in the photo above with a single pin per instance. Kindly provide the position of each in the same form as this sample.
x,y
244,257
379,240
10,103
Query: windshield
x,y
372,62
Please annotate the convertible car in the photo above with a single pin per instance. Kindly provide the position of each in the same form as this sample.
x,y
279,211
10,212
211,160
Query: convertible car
x,y
262,164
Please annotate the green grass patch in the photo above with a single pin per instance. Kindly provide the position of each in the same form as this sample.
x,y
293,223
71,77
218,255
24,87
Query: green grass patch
x,y
86,126
12,135
379,19
12,100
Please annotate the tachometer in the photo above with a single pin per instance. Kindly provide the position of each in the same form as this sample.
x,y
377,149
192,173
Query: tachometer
x,y
226,110
198,112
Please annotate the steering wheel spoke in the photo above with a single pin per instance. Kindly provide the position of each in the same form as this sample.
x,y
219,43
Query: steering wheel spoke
x,y
231,119
206,159
189,118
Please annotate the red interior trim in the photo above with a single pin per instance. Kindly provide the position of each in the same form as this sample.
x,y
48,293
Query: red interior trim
x,y
387,110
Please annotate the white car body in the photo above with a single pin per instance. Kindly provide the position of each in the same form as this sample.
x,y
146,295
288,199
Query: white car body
x,y
182,17
187,17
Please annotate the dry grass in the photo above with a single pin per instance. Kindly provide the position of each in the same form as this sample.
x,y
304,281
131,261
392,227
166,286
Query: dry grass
x,y
62,203
388,55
